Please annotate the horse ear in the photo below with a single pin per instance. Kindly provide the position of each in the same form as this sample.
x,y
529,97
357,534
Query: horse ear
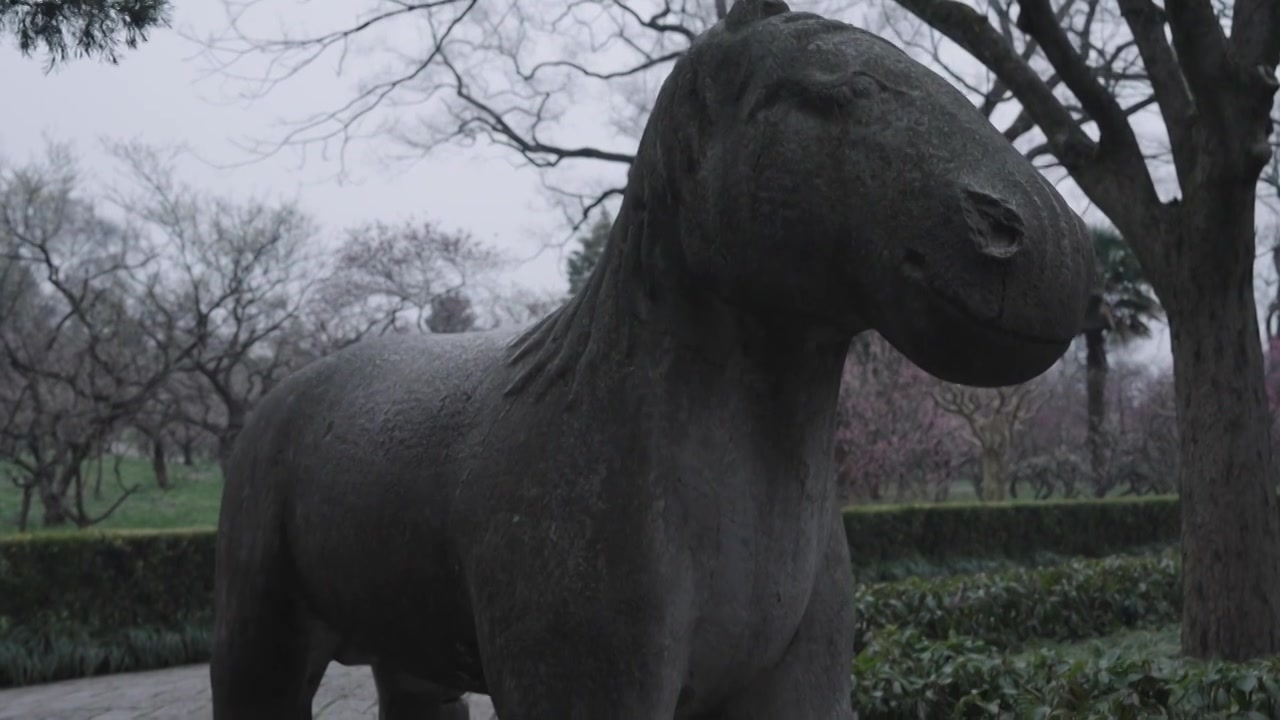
x,y
745,12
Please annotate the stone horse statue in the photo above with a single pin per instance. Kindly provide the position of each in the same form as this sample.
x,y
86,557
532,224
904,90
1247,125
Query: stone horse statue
x,y
627,511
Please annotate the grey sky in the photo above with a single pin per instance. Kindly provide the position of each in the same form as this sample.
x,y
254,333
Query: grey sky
x,y
160,94
163,94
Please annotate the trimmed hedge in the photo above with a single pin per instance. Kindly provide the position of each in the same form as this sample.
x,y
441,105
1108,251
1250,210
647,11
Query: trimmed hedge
x,y
122,579
1081,528
902,675
107,581
920,568
1074,600
999,611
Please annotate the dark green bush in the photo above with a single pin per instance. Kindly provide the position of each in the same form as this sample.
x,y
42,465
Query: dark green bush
x,y
106,580
1077,599
925,568
902,675
1082,528
86,604
150,578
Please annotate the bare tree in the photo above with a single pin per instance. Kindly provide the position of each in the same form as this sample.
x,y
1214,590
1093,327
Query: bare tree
x,y
993,418
1050,444
238,276
1082,71
402,278
1144,458
891,441
92,342
525,75
521,306
152,422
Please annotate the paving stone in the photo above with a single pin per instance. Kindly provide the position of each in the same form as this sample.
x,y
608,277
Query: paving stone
x,y
183,694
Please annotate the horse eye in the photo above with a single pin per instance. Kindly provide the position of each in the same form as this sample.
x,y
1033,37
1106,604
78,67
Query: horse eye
x,y
821,102
826,101
824,95
864,86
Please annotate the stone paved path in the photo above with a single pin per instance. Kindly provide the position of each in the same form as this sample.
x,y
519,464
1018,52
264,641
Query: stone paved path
x,y
182,693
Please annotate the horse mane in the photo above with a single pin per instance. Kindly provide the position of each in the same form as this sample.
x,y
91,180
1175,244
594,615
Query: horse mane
x,y
571,335
599,318
637,257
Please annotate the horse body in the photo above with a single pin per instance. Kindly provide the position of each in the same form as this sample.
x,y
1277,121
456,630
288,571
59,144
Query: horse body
x,y
628,510
407,470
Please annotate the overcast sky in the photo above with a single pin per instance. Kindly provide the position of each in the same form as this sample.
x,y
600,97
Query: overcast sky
x,y
162,93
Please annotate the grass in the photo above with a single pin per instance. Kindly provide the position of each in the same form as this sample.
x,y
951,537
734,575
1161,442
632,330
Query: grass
x,y
191,501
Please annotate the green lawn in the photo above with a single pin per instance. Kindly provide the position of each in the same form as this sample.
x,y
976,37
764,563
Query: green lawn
x,y
191,501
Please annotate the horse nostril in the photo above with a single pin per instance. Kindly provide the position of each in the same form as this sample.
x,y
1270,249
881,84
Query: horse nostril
x,y
913,259
913,263
995,228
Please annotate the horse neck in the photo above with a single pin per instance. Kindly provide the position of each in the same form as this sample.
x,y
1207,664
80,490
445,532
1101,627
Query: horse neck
x,y
642,319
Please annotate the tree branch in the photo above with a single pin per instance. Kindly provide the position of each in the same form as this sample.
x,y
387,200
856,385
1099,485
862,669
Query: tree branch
x,y
1202,48
1147,22
1255,33
1073,148
1038,20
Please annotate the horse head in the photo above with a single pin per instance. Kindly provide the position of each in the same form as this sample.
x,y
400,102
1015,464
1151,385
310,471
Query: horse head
x,y
813,168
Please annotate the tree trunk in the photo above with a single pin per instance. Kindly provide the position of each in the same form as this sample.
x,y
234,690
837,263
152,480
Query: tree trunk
x,y
55,510
159,464
1273,310
97,480
24,512
236,413
1230,523
188,455
993,475
1096,389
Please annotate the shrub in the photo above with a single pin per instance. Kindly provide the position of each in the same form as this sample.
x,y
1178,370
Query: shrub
x,y
113,579
106,580
925,568
47,654
1085,528
96,602
1078,599
901,674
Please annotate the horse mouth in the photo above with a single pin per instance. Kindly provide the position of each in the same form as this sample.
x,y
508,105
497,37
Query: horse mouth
x,y
913,269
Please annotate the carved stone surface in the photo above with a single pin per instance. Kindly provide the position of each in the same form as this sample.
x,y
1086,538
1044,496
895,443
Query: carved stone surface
x,y
627,511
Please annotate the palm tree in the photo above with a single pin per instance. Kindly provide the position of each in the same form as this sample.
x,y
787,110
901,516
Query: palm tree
x,y
1121,309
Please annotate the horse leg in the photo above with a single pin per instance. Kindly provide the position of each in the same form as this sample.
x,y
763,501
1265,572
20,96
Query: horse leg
x,y
269,656
399,701
269,672
812,681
